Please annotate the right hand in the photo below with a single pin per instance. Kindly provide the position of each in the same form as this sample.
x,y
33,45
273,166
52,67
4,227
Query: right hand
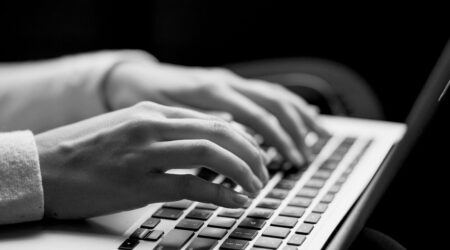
x,y
118,161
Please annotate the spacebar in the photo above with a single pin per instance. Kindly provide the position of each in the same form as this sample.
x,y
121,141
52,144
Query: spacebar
x,y
174,240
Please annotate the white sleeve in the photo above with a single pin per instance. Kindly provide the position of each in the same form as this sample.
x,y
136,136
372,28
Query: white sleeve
x,y
21,193
43,95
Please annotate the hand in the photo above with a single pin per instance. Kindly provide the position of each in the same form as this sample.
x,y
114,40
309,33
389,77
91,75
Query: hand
x,y
117,161
280,116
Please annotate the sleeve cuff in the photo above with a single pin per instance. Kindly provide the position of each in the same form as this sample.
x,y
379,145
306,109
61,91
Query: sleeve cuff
x,y
88,72
21,192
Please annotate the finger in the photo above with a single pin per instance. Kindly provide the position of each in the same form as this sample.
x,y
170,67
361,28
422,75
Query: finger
x,y
177,187
222,134
288,116
243,131
296,127
183,111
174,109
251,114
217,116
221,114
192,153
308,112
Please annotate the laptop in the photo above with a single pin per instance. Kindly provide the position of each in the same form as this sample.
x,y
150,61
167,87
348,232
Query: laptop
x,y
323,206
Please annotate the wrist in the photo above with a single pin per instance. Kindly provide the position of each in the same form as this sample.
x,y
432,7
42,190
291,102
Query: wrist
x,y
47,161
115,93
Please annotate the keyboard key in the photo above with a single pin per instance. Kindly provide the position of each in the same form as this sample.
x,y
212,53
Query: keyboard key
x,y
322,174
168,213
202,244
277,232
222,222
334,189
234,244
348,170
337,156
300,202
313,218
248,203
206,206
278,194
154,235
296,212
244,233
315,183
283,221
341,179
293,176
268,242
328,198
151,223
129,244
175,239
305,228
269,203
252,223
139,233
296,239
228,183
207,174
288,166
231,213
308,192
329,165
182,204
348,141
320,208
288,247
189,224
273,167
261,213
286,184
214,233
199,214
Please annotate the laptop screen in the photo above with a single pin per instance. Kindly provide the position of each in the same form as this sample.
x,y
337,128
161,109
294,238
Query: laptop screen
x,y
433,92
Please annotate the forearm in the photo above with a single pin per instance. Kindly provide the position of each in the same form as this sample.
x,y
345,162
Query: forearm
x,y
47,94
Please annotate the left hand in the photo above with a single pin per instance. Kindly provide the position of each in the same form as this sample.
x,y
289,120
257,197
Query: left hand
x,y
280,116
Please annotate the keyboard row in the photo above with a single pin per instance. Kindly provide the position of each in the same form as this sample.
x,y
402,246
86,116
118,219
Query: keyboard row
x,y
216,228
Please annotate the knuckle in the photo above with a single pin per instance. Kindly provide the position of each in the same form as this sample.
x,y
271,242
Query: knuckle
x,y
203,148
220,129
145,106
140,126
208,87
223,71
212,86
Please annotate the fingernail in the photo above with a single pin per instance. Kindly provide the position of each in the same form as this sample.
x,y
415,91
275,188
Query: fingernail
x,y
265,176
256,185
240,199
251,195
322,131
265,157
297,158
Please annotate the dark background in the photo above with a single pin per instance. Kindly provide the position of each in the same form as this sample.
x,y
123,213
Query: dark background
x,y
392,47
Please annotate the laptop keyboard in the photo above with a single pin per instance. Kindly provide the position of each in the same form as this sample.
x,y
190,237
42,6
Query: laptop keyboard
x,y
284,216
